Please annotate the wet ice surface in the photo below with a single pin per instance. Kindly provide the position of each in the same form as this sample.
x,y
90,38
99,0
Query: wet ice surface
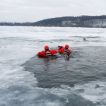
x,y
26,80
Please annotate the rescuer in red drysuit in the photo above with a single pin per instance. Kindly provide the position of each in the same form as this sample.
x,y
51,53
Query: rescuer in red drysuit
x,y
60,49
47,52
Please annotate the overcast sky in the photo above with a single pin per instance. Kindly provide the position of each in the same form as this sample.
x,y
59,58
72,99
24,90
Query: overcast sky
x,y
34,10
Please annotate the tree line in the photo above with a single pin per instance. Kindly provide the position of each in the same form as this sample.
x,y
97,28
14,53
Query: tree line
x,y
69,21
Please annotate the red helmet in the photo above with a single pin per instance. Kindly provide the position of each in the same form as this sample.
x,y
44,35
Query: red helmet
x,y
46,47
66,46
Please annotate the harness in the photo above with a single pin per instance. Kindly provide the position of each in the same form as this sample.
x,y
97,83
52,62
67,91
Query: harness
x,y
48,53
67,52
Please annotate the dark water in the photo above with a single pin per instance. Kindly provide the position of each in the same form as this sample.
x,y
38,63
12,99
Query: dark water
x,y
86,64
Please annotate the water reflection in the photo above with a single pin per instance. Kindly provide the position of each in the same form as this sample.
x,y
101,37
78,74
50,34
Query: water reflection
x,y
56,61
48,61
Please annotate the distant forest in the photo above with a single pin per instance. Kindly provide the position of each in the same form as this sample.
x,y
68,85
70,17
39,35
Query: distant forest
x,y
69,21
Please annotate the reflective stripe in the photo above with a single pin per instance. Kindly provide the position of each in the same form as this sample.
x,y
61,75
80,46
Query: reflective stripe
x,y
48,53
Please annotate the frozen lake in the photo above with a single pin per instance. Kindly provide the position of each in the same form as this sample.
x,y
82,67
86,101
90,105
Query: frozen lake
x,y
24,81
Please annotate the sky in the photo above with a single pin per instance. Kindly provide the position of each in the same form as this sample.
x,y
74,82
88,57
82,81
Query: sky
x,y
35,10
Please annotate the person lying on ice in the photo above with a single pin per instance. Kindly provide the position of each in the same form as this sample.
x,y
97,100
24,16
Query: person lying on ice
x,y
47,52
